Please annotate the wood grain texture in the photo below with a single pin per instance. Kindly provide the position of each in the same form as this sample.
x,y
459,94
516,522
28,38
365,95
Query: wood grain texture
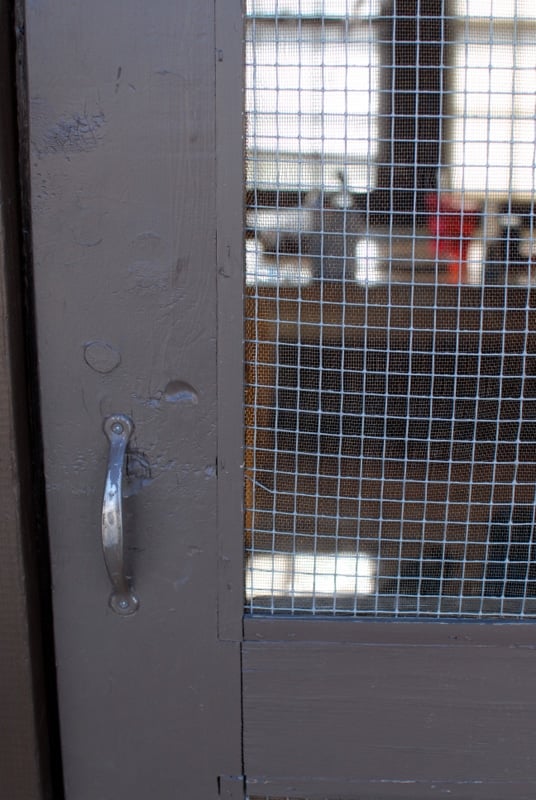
x,y
451,633
310,789
124,219
386,714
230,224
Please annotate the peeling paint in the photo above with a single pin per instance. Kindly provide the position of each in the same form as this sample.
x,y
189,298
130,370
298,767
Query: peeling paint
x,y
78,133
180,392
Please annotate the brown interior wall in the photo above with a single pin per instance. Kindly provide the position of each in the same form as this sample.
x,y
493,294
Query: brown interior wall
x,y
456,494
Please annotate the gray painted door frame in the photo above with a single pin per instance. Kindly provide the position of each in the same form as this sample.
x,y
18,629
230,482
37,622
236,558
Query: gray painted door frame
x,y
132,236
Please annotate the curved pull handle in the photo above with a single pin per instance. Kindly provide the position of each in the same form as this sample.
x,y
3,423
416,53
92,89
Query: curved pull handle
x,y
118,429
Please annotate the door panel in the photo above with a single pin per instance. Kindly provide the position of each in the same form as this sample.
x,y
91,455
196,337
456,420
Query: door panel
x,y
389,328
123,170
367,714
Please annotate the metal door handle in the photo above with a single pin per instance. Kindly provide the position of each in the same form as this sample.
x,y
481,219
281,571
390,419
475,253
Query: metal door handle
x,y
118,429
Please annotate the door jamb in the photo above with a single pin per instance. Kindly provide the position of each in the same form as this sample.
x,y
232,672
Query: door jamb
x,y
28,770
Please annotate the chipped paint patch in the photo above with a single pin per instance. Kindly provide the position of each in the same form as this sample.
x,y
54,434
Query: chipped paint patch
x,y
78,133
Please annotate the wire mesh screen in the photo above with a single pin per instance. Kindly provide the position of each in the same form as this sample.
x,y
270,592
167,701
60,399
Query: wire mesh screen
x,y
390,307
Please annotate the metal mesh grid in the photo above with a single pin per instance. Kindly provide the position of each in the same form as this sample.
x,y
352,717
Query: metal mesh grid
x,y
390,322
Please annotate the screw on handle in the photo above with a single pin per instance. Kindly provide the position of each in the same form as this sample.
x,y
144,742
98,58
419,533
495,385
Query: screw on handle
x,y
118,429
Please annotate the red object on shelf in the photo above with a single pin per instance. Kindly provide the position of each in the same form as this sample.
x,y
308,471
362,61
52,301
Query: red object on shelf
x,y
452,223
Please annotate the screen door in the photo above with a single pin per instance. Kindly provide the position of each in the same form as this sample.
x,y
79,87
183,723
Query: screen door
x,y
377,642
390,578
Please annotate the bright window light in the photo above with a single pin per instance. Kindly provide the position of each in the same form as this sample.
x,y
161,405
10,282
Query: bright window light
x,y
310,575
